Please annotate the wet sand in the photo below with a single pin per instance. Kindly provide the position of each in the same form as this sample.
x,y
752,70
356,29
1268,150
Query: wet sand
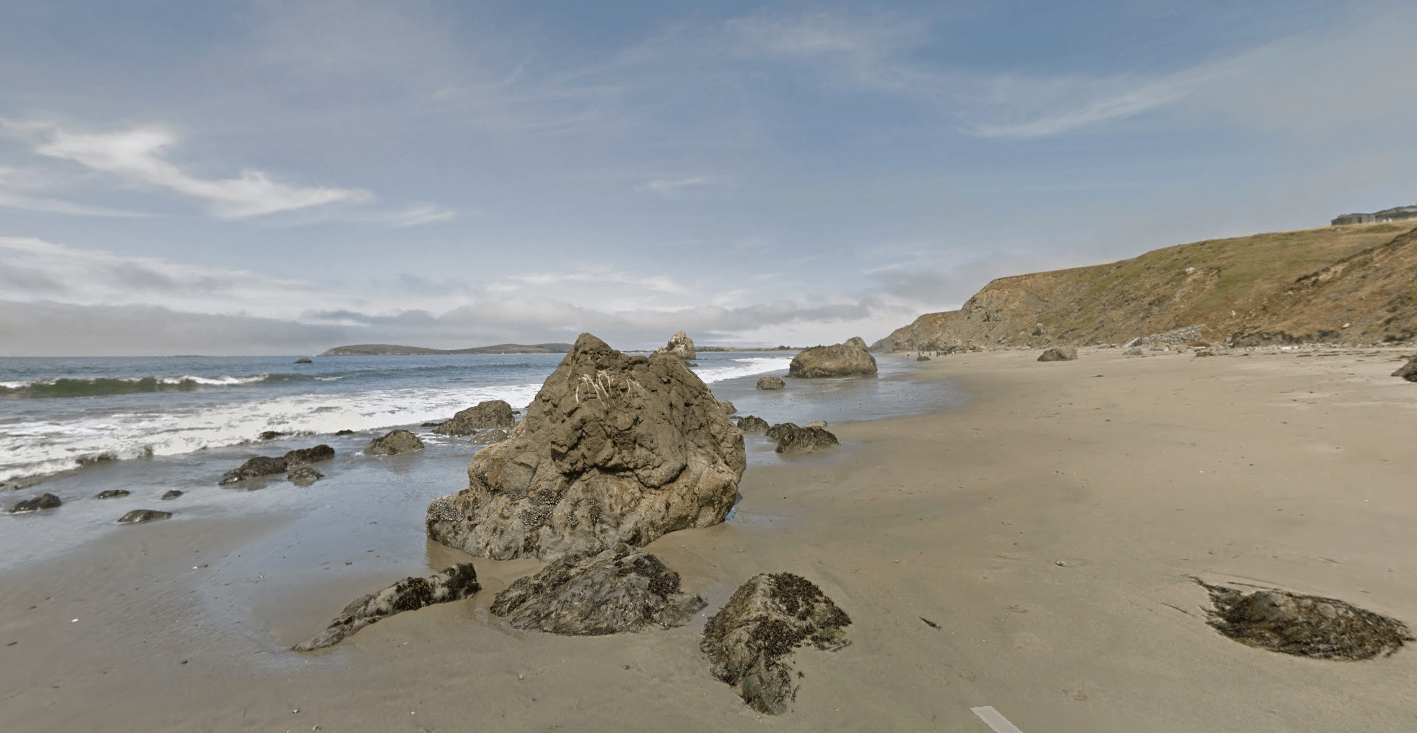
x,y
1277,469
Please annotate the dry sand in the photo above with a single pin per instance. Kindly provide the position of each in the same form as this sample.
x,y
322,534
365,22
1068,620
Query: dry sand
x,y
1276,469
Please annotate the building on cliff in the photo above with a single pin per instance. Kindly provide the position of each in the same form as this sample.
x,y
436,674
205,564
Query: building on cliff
x,y
1398,213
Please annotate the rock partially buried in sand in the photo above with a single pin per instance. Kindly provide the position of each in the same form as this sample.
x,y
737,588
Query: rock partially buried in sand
x,y
679,345
619,590
309,455
143,516
1059,353
748,641
254,468
751,424
483,415
613,449
39,503
397,441
304,476
803,440
113,494
771,383
849,359
173,494
1408,371
410,594
1305,626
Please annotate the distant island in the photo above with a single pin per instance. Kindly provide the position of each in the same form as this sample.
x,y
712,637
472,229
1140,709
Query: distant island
x,y
395,350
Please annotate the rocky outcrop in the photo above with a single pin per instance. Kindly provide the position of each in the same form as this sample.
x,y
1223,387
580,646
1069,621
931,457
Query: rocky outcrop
x,y
679,345
803,440
613,449
482,416
113,494
393,443
839,360
751,424
1408,371
39,503
749,640
309,455
618,590
771,382
143,516
304,476
1059,353
254,468
410,594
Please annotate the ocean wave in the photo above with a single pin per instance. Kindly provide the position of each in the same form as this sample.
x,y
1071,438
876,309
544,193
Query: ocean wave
x,y
745,367
101,386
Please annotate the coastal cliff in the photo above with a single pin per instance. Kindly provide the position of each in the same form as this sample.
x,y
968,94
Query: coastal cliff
x,y
1333,284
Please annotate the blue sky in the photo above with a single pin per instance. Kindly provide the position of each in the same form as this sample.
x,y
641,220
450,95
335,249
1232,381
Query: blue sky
x,y
281,177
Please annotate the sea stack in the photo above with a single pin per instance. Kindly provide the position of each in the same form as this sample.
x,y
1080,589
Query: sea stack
x,y
849,359
679,345
613,449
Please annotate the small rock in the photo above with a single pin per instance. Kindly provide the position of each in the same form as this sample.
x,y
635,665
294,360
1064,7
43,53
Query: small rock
x,y
309,455
816,424
803,440
1408,371
141,516
1060,353
346,431
771,383
173,494
258,466
303,360
922,357
751,424
113,494
304,476
410,594
395,442
39,503
271,435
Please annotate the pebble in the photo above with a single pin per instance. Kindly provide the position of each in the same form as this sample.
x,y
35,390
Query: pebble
x,y
1060,563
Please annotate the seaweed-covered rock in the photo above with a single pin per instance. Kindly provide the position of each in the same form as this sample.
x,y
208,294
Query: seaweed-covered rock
x,y
771,383
483,415
488,437
304,476
1408,371
619,590
309,455
39,503
254,468
613,449
1305,626
679,345
143,516
113,494
748,641
173,494
839,360
410,594
752,424
793,439
395,442
1059,353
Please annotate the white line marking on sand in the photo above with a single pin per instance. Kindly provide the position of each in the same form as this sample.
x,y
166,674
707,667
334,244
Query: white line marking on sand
x,y
999,723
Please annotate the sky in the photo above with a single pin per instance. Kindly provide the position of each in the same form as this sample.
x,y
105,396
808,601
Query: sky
x,y
284,177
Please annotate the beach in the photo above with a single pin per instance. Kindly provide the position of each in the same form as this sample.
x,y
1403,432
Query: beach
x,y
1029,548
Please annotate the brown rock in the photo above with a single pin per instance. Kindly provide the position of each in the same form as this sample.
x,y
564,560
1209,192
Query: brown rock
x,y
751,424
613,449
410,594
840,360
679,345
309,455
395,442
482,416
39,503
143,516
1065,353
1408,371
771,382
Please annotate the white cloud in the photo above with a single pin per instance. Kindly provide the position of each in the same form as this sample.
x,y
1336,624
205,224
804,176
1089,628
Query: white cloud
x,y
669,188
419,215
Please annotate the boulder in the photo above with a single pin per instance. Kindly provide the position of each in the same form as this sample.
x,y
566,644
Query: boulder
x,y
258,466
922,357
679,345
1060,353
613,449
39,503
616,591
304,476
488,437
749,640
143,516
805,440
303,360
1408,371
483,415
857,342
173,494
771,382
395,442
309,455
113,494
783,428
750,424
727,408
410,594
839,360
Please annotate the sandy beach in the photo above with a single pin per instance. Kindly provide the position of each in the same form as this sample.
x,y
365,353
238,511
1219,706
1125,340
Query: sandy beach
x,y
1047,529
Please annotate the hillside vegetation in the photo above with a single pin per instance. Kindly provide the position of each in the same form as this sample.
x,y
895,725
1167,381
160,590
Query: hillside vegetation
x,y
1346,284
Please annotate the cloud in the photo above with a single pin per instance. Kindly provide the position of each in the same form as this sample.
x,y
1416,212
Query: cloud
x,y
669,188
602,275
419,215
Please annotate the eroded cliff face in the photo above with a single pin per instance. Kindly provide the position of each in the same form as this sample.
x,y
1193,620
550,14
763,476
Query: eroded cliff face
x,y
1269,288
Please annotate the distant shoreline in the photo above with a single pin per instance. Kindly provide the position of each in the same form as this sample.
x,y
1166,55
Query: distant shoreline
x,y
396,350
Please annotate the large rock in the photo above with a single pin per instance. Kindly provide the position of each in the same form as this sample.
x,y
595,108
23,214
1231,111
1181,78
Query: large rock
x,y
613,449
482,416
679,345
1059,353
748,641
395,442
839,360
770,382
780,429
39,503
752,424
254,468
1408,371
410,594
616,591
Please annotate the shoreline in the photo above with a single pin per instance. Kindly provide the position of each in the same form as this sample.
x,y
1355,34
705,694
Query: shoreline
x,y
1269,470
